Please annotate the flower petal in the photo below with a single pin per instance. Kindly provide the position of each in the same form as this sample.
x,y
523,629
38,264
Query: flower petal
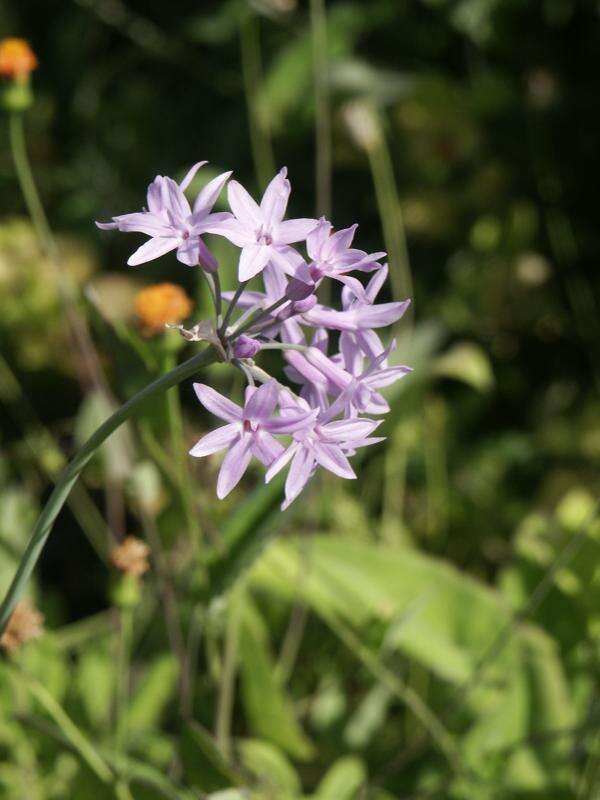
x,y
294,230
153,248
265,447
217,404
253,260
275,199
189,177
207,196
331,457
300,471
243,206
234,465
216,440
262,402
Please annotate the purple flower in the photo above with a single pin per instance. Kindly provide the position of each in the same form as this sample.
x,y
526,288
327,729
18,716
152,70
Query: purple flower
x,y
261,231
333,257
249,430
171,223
360,316
321,444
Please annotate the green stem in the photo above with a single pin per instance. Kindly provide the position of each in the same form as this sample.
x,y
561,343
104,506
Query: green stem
x,y
179,451
77,326
122,698
390,212
69,476
258,122
228,670
318,24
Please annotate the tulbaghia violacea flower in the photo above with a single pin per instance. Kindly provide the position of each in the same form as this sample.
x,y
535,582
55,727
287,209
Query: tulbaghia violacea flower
x,y
171,223
323,423
333,257
261,231
249,431
324,444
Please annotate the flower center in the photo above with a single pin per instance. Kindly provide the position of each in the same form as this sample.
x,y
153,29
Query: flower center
x,y
264,237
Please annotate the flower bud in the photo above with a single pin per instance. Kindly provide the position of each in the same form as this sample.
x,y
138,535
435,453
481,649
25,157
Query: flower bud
x,y
245,347
299,290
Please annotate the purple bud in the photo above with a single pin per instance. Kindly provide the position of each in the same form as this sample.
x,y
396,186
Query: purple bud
x,y
299,290
245,347
302,306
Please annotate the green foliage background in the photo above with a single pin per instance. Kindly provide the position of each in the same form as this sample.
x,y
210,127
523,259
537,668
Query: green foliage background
x,y
432,629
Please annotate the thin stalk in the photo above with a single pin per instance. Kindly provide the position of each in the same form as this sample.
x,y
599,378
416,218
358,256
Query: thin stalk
x,y
172,615
77,325
258,318
228,670
69,476
390,212
258,120
318,26
122,696
232,305
301,348
179,455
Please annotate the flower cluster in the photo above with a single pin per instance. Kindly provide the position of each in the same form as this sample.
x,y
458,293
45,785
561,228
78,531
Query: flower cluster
x,y
334,357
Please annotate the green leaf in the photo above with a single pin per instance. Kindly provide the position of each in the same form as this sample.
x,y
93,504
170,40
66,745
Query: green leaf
x,y
268,708
343,780
448,618
153,694
270,766
203,764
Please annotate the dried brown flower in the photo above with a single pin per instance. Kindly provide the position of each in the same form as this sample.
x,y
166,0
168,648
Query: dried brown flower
x,y
131,556
26,623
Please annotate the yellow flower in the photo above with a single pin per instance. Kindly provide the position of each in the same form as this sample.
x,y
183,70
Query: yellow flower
x,y
160,305
25,623
17,59
131,556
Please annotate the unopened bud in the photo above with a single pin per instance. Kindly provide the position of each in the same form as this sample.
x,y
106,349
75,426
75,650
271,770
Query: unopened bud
x,y
299,290
245,347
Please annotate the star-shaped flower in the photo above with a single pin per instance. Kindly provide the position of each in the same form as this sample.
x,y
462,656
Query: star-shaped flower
x,y
261,231
249,430
171,223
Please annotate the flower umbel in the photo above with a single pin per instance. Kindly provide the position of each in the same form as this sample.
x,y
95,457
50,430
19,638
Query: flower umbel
x,y
340,377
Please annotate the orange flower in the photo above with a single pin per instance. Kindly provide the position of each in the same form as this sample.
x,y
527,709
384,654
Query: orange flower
x,y
25,623
160,305
131,556
17,59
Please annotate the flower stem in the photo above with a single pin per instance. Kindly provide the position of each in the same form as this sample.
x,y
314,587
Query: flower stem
x,y
318,24
178,454
232,305
69,476
258,121
226,687
122,694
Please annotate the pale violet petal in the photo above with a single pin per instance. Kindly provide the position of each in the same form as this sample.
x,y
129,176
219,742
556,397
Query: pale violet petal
x,y
217,404
153,248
